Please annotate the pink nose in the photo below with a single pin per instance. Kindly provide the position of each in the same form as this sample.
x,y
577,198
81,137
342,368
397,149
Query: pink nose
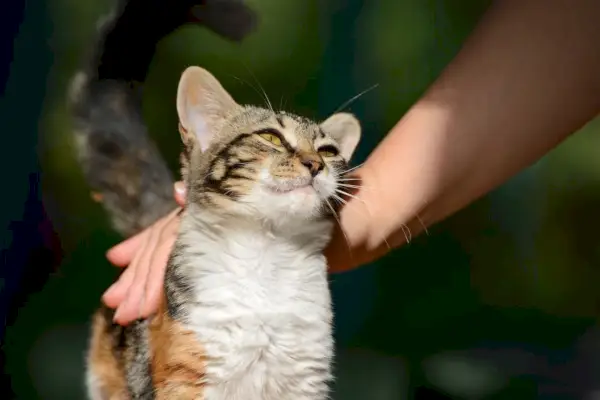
x,y
313,165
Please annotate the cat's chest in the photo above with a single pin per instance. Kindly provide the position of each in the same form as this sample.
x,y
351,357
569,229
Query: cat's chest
x,y
262,289
253,274
262,312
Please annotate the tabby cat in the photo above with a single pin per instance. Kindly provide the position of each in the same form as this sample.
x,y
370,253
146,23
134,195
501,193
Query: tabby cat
x,y
246,312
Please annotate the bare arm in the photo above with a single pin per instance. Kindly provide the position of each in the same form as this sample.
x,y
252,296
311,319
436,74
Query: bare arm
x,y
527,78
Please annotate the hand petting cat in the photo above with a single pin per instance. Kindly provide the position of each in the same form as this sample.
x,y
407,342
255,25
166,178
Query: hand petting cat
x,y
136,294
497,108
145,256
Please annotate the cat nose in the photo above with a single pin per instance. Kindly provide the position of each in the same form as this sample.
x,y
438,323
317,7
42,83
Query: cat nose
x,y
313,165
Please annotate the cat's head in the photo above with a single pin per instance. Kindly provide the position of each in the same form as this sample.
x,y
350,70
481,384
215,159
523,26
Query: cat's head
x,y
257,162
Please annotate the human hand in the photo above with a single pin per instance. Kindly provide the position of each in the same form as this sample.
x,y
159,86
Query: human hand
x,y
137,292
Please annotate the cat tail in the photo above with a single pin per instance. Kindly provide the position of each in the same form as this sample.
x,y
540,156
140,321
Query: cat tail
x,y
121,164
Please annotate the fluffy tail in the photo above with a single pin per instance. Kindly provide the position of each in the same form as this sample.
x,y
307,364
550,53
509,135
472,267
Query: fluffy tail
x,y
120,162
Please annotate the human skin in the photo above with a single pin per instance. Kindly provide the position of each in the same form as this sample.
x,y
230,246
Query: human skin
x,y
527,78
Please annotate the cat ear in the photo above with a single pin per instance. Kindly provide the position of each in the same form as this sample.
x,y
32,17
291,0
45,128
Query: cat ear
x,y
202,104
345,129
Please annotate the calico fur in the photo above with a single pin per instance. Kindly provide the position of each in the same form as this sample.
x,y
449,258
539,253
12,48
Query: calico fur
x,y
246,312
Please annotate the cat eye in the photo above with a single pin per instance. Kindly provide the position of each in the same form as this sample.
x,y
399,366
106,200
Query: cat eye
x,y
328,151
276,140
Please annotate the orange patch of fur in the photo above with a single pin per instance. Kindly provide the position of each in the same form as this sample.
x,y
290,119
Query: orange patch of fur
x,y
107,370
177,359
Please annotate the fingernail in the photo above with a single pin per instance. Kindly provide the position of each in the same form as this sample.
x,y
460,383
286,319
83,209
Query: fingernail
x,y
180,188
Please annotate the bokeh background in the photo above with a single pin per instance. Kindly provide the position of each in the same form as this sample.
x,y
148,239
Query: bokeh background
x,y
497,302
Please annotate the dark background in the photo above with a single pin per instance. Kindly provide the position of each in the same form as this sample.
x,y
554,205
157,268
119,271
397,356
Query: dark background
x,y
492,303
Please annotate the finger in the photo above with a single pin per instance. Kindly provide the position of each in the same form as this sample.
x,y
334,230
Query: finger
x,y
180,193
130,309
117,292
158,264
126,312
122,254
154,285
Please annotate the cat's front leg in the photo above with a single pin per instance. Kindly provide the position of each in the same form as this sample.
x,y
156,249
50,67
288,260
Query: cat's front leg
x,y
178,360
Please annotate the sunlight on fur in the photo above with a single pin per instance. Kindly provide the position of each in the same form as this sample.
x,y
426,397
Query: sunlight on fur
x,y
247,311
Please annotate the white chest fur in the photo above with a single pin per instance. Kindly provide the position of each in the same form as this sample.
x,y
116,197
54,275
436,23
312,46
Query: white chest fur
x,y
262,311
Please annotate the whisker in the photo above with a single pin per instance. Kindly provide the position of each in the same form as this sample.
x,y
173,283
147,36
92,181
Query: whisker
x,y
249,84
347,185
353,99
350,186
422,224
339,199
352,169
406,229
349,168
266,97
350,195
366,208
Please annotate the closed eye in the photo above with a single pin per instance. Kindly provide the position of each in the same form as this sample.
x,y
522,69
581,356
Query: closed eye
x,y
328,151
272,136
269,137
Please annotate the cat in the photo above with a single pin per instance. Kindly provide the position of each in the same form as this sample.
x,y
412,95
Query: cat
x,y
246,312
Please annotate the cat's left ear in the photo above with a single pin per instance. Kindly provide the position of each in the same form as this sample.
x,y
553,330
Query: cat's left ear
x,y
202,105
345,129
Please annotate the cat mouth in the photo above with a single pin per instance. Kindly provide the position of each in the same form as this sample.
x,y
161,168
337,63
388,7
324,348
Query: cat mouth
x,y
298,185
296,189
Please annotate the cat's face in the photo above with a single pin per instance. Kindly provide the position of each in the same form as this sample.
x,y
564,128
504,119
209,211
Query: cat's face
x,y
256,162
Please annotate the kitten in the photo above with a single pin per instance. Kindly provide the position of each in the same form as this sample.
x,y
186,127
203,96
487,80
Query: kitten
x,y
129,177
246,312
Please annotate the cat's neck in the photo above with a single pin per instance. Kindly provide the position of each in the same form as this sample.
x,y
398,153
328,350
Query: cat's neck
x,y
210,243
216,228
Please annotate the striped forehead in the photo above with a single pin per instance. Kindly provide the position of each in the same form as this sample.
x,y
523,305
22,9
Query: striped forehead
x,y
301,133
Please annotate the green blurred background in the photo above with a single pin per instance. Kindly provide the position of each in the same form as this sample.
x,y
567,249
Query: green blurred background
x,y
516,270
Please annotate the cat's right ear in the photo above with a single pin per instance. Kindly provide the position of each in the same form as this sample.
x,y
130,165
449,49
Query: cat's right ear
x,y
202,104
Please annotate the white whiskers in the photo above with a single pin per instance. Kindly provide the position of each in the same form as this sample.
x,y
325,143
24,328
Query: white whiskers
x,y
354,98
265,96
347,184
343,201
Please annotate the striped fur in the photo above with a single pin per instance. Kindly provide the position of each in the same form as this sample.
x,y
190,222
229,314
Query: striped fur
x,y
246,312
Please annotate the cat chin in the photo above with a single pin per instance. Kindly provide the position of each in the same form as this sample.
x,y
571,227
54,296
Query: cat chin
x,y
297,191
299,204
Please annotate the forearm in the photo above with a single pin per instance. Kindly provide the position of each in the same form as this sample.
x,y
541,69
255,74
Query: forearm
x,y
526,79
